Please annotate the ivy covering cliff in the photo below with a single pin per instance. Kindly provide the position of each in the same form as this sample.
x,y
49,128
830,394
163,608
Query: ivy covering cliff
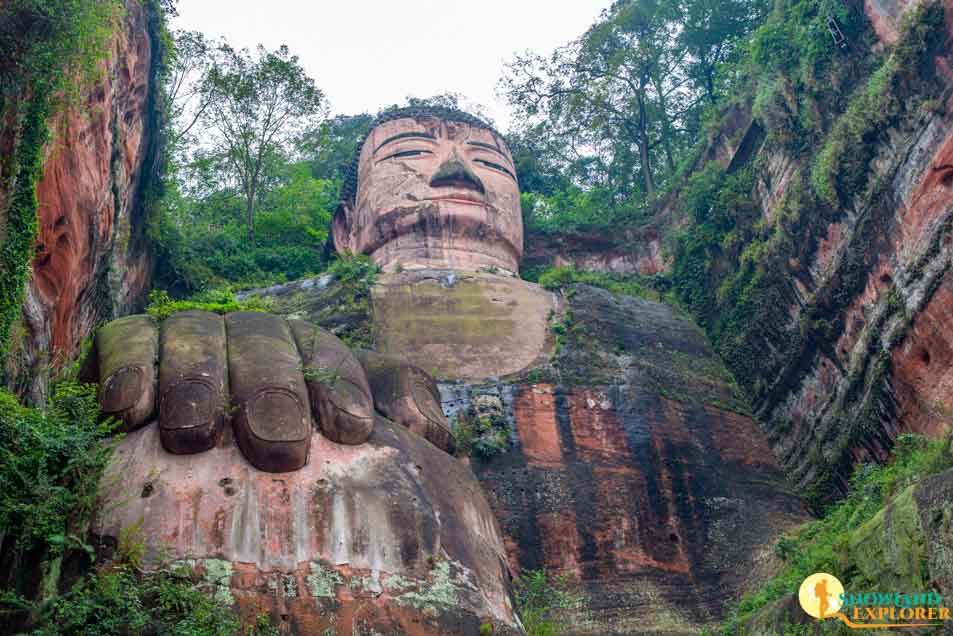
x,y
45,47
74,91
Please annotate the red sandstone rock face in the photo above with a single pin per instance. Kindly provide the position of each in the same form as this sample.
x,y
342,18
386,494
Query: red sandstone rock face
x,y
92,262
643,254
658,509
641,484
909,263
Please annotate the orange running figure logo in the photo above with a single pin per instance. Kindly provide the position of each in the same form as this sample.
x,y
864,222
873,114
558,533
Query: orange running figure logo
x,y
820,591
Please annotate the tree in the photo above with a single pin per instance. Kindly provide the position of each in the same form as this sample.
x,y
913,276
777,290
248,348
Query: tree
x,y
602,91
256,108
331,146
190,59
711,32
621,104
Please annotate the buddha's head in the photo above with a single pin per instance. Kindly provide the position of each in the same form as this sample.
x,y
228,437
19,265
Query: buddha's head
x,y
432,188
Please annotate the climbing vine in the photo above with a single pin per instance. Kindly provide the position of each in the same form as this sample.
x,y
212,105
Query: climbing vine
x,y
49,50
16,252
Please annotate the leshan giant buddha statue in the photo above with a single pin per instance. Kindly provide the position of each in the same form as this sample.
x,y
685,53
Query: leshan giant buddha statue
x,y
432,198
314,484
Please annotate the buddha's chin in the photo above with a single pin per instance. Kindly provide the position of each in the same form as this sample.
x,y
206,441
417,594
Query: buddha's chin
x,y
448,234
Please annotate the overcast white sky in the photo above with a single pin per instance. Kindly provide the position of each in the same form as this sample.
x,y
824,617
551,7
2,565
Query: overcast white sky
x,y
366,54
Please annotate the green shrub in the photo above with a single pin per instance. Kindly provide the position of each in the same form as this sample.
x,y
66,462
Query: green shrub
x,y
202,237
483,437
120,601
219,301
564,276
354,268
540,597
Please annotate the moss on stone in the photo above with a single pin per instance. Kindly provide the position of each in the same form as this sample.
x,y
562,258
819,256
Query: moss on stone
x,y
888,549
129,341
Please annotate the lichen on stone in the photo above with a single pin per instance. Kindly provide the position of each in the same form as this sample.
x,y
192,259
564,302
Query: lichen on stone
x,y
218,573
443,589
323,581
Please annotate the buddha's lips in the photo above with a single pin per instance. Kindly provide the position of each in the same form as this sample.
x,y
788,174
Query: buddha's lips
x,y
459,198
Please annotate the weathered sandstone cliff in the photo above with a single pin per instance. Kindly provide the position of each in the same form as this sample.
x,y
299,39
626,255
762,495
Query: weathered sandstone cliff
x,y
859,351
92,259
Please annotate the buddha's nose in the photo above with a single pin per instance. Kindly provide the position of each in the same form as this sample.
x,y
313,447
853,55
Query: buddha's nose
x,y
454,172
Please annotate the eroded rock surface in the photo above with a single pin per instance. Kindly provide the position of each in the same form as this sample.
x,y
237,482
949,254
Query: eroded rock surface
x,y
632,470
92,259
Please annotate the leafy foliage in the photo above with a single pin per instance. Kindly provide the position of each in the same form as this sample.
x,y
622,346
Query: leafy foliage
x,y
245,205
50,465
121,601
256,107
17,249
820,546
203,242
606,120
54,45
564,276
355,274
481,436
334,144
354,269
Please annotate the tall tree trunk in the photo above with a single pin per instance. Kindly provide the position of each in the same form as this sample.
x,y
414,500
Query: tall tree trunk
x,y
644,157
666,126
250,215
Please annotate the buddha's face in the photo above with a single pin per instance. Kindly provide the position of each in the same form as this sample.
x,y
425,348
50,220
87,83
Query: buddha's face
x,y
434,193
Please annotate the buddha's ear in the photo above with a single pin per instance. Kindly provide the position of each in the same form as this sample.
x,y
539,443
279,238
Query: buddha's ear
x,y
341,229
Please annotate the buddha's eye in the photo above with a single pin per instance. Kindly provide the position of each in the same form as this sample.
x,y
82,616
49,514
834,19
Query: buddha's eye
x,y
403,154
495,166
